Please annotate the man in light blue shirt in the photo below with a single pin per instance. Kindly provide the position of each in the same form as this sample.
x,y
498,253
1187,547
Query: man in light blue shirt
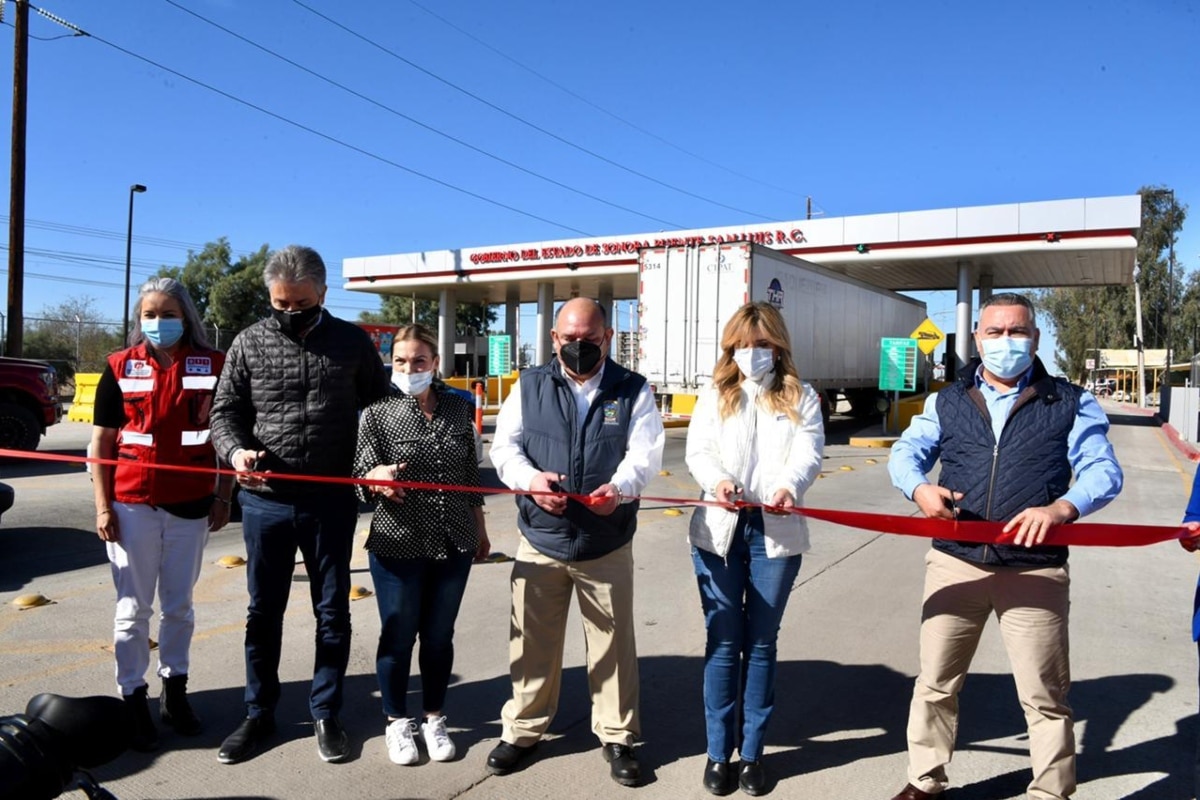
x,y
1010,438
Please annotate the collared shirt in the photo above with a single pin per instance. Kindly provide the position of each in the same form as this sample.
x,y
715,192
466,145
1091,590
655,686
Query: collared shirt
x,y
1098,477
643,455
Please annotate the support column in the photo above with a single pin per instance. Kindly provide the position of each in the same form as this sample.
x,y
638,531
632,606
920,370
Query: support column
x,y
447,316
512,320
544,349
962,317
605,299
985,287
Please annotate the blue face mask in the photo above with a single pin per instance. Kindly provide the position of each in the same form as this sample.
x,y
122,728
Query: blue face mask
x,y
163,331
1006,357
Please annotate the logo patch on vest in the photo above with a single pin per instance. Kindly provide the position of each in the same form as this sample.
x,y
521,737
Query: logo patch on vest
x,y
611,417
198,365
138,369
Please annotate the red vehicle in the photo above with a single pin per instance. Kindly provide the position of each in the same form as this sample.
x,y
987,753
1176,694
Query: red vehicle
x,y
29,402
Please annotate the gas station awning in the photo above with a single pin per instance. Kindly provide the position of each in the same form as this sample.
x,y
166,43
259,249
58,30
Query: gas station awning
x,y
1082,242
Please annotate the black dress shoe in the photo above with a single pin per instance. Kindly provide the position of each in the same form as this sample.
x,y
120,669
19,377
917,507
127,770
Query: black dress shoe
x,y
751,778
506,757
622,763
718,777
242,743
333,744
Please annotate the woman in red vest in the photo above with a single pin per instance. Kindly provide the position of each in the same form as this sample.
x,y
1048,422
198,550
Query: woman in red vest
x,y
151,409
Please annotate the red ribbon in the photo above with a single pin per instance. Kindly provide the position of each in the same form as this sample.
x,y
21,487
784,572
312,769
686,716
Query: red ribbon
x,y
1088,534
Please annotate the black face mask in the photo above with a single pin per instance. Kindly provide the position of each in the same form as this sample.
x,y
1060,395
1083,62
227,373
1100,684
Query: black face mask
x,y
580,357
294,323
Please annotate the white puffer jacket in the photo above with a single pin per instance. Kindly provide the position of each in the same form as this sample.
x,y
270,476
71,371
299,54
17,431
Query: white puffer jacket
x,y
788,457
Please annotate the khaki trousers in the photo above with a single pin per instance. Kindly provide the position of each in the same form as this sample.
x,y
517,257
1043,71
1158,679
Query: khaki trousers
x,y
1032,606
541,597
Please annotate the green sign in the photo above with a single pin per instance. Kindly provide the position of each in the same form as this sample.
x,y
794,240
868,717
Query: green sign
x,y
898,365
499,355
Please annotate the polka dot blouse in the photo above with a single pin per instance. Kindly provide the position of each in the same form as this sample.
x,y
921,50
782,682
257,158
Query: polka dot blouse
x,y
426,523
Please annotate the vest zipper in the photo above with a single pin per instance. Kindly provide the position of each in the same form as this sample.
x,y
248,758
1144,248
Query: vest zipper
x,y
991,489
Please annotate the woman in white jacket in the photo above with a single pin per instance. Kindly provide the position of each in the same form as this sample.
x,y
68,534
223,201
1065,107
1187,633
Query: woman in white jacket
x,y
756,435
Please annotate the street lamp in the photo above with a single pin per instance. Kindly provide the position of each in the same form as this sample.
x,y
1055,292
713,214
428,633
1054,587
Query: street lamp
x,y
136,188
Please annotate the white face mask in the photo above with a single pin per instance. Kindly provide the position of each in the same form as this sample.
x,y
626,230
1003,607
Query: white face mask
x,y
754,362
1007,358
413,383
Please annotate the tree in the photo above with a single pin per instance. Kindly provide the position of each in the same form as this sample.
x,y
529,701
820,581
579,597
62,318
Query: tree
x,y
395,309
230,295
72,334
1104,317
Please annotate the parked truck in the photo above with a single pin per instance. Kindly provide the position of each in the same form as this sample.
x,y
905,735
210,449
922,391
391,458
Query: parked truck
x,y
687,294
29,402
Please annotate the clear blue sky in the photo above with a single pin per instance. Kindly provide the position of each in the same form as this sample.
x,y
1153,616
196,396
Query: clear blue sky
x,y
865,107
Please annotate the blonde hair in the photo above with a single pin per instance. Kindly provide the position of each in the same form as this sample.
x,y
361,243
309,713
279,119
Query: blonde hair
x,y
417,333
750,323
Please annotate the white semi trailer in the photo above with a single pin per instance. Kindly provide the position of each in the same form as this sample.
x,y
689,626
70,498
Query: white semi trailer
x,y
687,294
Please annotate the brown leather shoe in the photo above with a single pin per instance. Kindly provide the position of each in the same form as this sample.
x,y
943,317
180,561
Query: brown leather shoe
x,y
910,792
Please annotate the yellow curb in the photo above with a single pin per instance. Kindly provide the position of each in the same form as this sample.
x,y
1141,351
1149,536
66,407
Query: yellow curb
x,y
873,441
31,601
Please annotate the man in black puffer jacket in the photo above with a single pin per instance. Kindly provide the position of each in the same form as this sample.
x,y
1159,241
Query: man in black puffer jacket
x,y
288,402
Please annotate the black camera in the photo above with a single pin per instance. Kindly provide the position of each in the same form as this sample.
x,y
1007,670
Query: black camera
x,y
46,750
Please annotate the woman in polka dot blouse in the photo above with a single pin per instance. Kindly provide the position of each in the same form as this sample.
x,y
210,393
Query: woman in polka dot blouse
x,y
422,541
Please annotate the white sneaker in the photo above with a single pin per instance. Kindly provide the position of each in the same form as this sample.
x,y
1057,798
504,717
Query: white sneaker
x,y
401,747
437,741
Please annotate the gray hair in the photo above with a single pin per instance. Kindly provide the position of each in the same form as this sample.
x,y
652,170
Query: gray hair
x,y
193,327
295,264
1011,299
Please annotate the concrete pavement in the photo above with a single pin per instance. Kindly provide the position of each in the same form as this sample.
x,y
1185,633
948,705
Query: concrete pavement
x,y
847,656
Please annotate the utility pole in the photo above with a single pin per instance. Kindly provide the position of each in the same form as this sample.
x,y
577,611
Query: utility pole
x,y
16,204
1170,277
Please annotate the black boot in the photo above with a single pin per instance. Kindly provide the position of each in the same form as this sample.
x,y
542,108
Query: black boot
x,y
145,735
174,708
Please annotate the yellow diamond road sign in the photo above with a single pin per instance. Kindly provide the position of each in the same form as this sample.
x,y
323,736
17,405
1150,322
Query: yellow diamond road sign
x,y
928,336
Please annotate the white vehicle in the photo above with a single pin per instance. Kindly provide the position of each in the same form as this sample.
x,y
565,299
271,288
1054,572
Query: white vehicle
x,y
687,294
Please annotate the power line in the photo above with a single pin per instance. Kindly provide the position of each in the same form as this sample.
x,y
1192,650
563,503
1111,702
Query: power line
x,y
99,233
333,139
570,92
524,121
421,124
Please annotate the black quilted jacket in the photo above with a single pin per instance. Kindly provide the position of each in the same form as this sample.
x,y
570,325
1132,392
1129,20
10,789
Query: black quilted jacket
x,y
297,400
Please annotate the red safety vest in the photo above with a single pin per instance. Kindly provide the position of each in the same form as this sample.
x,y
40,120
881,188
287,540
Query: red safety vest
x,y
166,411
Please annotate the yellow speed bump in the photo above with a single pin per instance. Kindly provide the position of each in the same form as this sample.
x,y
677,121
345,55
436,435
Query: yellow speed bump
x,y
872,461
359,592
673,512
496,557
229,562
664,472
846,468
31,601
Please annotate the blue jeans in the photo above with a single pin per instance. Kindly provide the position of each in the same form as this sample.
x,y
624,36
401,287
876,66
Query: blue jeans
x,y
322,527
417,596
743,597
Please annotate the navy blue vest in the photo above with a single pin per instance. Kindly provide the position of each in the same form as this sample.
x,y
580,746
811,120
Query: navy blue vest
x,y
1028,467
587,456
